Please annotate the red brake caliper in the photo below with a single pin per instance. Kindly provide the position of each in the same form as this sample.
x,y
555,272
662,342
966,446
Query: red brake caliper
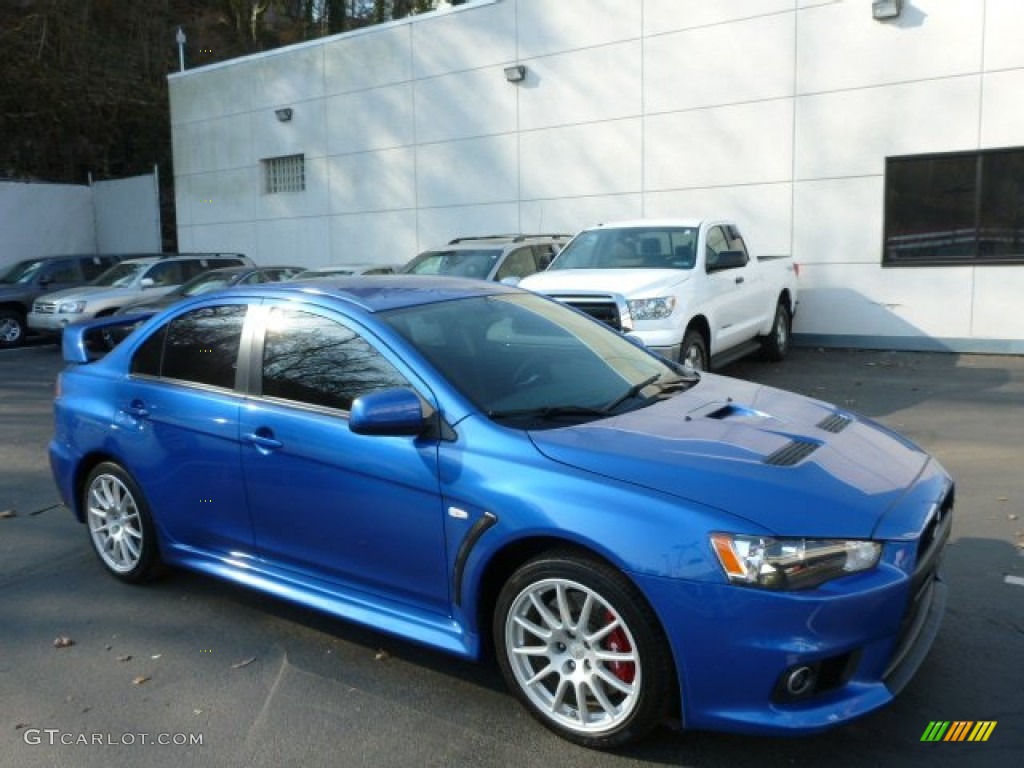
x,y
617,642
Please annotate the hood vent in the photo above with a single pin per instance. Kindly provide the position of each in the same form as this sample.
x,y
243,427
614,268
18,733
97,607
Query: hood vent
x,y
835,423
791,454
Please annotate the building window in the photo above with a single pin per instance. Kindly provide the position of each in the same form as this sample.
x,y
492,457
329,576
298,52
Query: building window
x,y
964,208
284,174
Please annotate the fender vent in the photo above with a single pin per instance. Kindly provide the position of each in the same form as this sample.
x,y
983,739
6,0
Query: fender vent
x,y
835,423
791,454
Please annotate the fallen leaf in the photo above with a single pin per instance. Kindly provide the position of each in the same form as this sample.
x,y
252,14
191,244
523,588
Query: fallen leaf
x,y
381,656
197,711
63,642
1011,516
19,726
243,663
8,513
156,656
1002,498
140,679
126,657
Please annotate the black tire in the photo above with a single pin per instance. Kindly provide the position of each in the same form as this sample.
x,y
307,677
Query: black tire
x,y
12,328
119,524
623,699
695,351
775,346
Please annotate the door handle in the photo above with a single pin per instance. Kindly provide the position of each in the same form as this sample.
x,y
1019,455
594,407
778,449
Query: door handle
x,y
264,440
739,280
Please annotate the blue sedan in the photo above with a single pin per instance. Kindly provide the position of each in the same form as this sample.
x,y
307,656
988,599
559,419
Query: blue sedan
x,y
472,466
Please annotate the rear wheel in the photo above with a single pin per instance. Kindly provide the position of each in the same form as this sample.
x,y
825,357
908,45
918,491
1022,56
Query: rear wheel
x,y
581,648
694,351
775,345
12,327
119,523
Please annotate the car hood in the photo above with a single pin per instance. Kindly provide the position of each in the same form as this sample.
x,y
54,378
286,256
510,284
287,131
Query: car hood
x,y
629,282
790,465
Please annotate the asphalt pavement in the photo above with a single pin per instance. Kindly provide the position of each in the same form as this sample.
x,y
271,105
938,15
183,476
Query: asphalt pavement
x,y
191,671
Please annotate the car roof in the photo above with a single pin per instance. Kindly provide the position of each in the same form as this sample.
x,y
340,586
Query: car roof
x,y
377,293
648,223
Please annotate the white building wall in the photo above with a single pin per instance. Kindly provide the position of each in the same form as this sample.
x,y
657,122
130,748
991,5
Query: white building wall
x,y
778,113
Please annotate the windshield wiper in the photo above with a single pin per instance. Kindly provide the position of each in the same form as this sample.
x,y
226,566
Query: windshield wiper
x,y
636,389
548,412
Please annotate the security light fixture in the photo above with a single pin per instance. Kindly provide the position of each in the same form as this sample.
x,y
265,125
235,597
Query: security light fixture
x,y
284,115
516,73
886,9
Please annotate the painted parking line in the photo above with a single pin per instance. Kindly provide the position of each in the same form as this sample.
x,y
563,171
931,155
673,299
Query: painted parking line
x,y
1014,580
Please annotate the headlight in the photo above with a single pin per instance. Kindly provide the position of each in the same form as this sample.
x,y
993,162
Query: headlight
x,y
652,309
71,307
758,561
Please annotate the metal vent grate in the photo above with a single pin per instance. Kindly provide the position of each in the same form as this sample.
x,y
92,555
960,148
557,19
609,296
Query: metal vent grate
x,y
835,423
791,454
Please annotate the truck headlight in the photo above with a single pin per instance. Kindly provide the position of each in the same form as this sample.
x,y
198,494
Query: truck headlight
x,y
782,564
652,309
71,307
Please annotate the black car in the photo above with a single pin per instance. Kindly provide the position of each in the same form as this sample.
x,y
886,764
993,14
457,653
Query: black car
x,y
24,281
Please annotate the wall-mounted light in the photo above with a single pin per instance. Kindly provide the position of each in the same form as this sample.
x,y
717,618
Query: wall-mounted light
x,y
886,9
284,115
515,73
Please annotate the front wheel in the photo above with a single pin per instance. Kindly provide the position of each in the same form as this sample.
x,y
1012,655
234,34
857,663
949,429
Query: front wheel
x,y
775,345
694,351
12,328
581,648
120,527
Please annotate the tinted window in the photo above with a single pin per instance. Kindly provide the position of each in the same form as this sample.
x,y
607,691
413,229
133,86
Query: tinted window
x,y
312,359
94,267
200,346
63,271
166,273
520,263
955,209
630,248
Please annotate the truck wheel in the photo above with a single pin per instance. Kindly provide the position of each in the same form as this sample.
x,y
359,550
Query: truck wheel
x,y
12,328
694,351
775,345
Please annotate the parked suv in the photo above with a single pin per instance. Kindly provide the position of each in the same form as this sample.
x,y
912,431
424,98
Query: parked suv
x,y
125,283
504,258
23,282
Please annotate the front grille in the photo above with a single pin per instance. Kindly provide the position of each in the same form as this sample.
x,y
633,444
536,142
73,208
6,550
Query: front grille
x,y
835,423
600,308
792,453
44,307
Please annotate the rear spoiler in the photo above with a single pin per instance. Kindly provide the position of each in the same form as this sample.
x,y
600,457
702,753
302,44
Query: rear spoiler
x,y
90,340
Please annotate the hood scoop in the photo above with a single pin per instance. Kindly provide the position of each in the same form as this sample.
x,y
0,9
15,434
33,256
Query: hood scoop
x,y
791,454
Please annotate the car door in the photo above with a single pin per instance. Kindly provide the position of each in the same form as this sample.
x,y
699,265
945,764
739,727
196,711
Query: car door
x,y
729,292
362,512
178,411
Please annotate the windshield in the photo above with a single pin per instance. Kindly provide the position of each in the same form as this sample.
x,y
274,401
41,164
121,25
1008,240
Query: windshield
x,y
119,275
523,359
22,272
462,263
207,283
630,248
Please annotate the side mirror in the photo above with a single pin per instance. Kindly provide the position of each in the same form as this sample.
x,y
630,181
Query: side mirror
x,y
510,280
147,282
396,411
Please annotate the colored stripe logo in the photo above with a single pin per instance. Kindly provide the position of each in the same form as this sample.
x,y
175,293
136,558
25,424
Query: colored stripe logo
x,y
958,730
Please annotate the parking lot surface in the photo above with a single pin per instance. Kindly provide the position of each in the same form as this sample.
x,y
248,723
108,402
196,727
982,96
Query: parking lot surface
x,y
96,673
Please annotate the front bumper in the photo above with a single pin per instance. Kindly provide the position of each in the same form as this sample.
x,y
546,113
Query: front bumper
x,y
52,323
863,636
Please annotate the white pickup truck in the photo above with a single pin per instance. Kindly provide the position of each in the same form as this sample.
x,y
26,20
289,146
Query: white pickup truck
x,y
688,289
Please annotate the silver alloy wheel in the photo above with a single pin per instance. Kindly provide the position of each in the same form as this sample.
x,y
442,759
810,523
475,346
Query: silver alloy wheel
x,y
114,523
573,656
694,358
